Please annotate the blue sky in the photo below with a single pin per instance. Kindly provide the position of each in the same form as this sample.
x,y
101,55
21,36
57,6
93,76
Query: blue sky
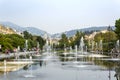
x,y
56,16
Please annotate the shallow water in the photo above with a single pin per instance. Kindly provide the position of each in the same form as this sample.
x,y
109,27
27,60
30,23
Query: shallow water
x,y
57,69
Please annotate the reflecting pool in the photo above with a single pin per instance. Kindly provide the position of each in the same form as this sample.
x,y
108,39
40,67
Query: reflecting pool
x,y
53,67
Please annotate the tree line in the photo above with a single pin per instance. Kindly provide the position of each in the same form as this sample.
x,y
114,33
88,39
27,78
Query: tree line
x,y
12,41
108,38
67,42
9,42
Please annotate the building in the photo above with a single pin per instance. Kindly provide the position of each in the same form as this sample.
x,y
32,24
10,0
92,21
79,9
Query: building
x,y
6,30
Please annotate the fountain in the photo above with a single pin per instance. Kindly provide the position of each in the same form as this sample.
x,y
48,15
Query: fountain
x,y
81,63
96,49
30,71
92,46
76,52
26,45
100,47
68,55
65,52
86,48
81,45
31,67
47,48
38,49
38,53
18,49
47,54
70,49
5,67
19,63
5,71
38,45
117,45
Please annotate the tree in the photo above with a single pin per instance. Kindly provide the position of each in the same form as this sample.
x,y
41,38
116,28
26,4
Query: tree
x,y
32,40
6,43
117,30
63,42
77,38
99,37
108,38
11,41
71,42
27,35
16,40
41,41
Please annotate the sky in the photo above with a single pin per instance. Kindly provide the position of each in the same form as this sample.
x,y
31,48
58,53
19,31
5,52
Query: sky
x,y
56,16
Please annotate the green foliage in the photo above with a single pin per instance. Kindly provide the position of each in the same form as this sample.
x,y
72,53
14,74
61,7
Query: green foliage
x,y
109,38
5,43
99,37
72,41
78,36
27,35
11,41
63,42
31,43
117,30
32,40
16,40
41,41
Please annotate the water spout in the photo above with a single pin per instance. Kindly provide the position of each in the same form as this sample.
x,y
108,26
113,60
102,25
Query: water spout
x,y
82,45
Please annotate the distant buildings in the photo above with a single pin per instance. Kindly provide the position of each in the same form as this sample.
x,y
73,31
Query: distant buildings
x,y
91,36
6,30
50,40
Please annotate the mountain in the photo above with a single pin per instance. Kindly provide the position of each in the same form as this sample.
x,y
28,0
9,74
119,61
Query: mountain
x,y
6,30
12,25
36,31
73,32
32,30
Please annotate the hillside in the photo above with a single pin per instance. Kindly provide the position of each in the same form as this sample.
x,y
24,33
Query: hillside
x,y
90,29
6,30
36,31
32,30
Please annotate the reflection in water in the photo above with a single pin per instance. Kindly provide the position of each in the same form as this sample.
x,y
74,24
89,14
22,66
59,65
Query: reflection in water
x,y
109,76
77,74
88,68
104,64
41,63
26,67
117,72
